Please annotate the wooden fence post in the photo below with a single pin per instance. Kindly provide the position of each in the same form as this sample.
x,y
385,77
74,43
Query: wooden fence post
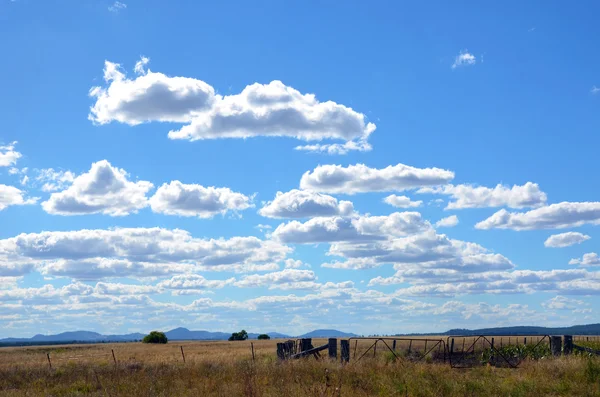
x,y
333,348
375,348
556,345
492,343
525,341
451,347
49,362
252,347
114,358
568,347
409,346
182,354
394,345
345,350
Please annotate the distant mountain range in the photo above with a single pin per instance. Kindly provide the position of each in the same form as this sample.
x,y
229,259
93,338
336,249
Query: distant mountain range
x,y
589,329
186,334
174,334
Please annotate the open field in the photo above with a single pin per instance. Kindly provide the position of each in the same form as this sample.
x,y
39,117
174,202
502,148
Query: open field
x,y
227,369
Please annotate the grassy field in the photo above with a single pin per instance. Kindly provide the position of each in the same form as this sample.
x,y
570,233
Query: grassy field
x,y
227,369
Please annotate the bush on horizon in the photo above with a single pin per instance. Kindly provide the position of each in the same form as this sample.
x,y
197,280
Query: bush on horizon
x,y
242,335
155,337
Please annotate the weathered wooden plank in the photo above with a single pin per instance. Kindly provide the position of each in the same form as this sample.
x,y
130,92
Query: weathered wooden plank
x,y
310,351
333,348
345,350
586,349
568,345
556,345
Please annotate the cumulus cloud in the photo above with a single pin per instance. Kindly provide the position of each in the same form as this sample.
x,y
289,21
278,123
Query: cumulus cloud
x,y
8,155
469,196
401,201
464,59
272,109
563,303
447,282
52,180
10,195
285,279
589,259
554,216
357,228
449,221
183,283
360,179
180,199
103,189
305,204
565,239
137,252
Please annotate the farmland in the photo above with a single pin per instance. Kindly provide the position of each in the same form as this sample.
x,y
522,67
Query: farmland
x,y
227,369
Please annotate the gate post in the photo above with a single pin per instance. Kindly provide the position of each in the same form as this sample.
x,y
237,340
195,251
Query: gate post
x,y
333,348
394,345
345,350
305,344
556,345
568,348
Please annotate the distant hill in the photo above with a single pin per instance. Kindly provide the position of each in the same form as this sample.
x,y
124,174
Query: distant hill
x,y
94,337
589,329
327,333
186,334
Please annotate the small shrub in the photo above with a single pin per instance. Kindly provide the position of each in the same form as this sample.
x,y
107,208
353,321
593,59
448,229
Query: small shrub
x,y
155,337
264,337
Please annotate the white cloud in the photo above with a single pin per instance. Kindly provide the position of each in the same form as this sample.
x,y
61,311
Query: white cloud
x,y
193,282
426,250
357,228
464,59
563,303
10,195
449,221
52,180
8,155
305,204
294,264
401,201
360,179
595,90
117,6
137,252
263,228
103,189
99,268
287,279
554,216
181,199
469,196
272,109
565,239
360,145
589,259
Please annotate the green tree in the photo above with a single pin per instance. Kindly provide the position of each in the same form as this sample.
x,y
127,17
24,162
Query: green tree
x,y
155,337
242,335
264,336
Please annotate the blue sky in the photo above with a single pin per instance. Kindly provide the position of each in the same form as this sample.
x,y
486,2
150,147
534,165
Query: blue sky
x,y
376,168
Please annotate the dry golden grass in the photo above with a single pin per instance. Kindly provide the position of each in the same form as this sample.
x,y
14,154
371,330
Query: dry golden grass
x,y
227,369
